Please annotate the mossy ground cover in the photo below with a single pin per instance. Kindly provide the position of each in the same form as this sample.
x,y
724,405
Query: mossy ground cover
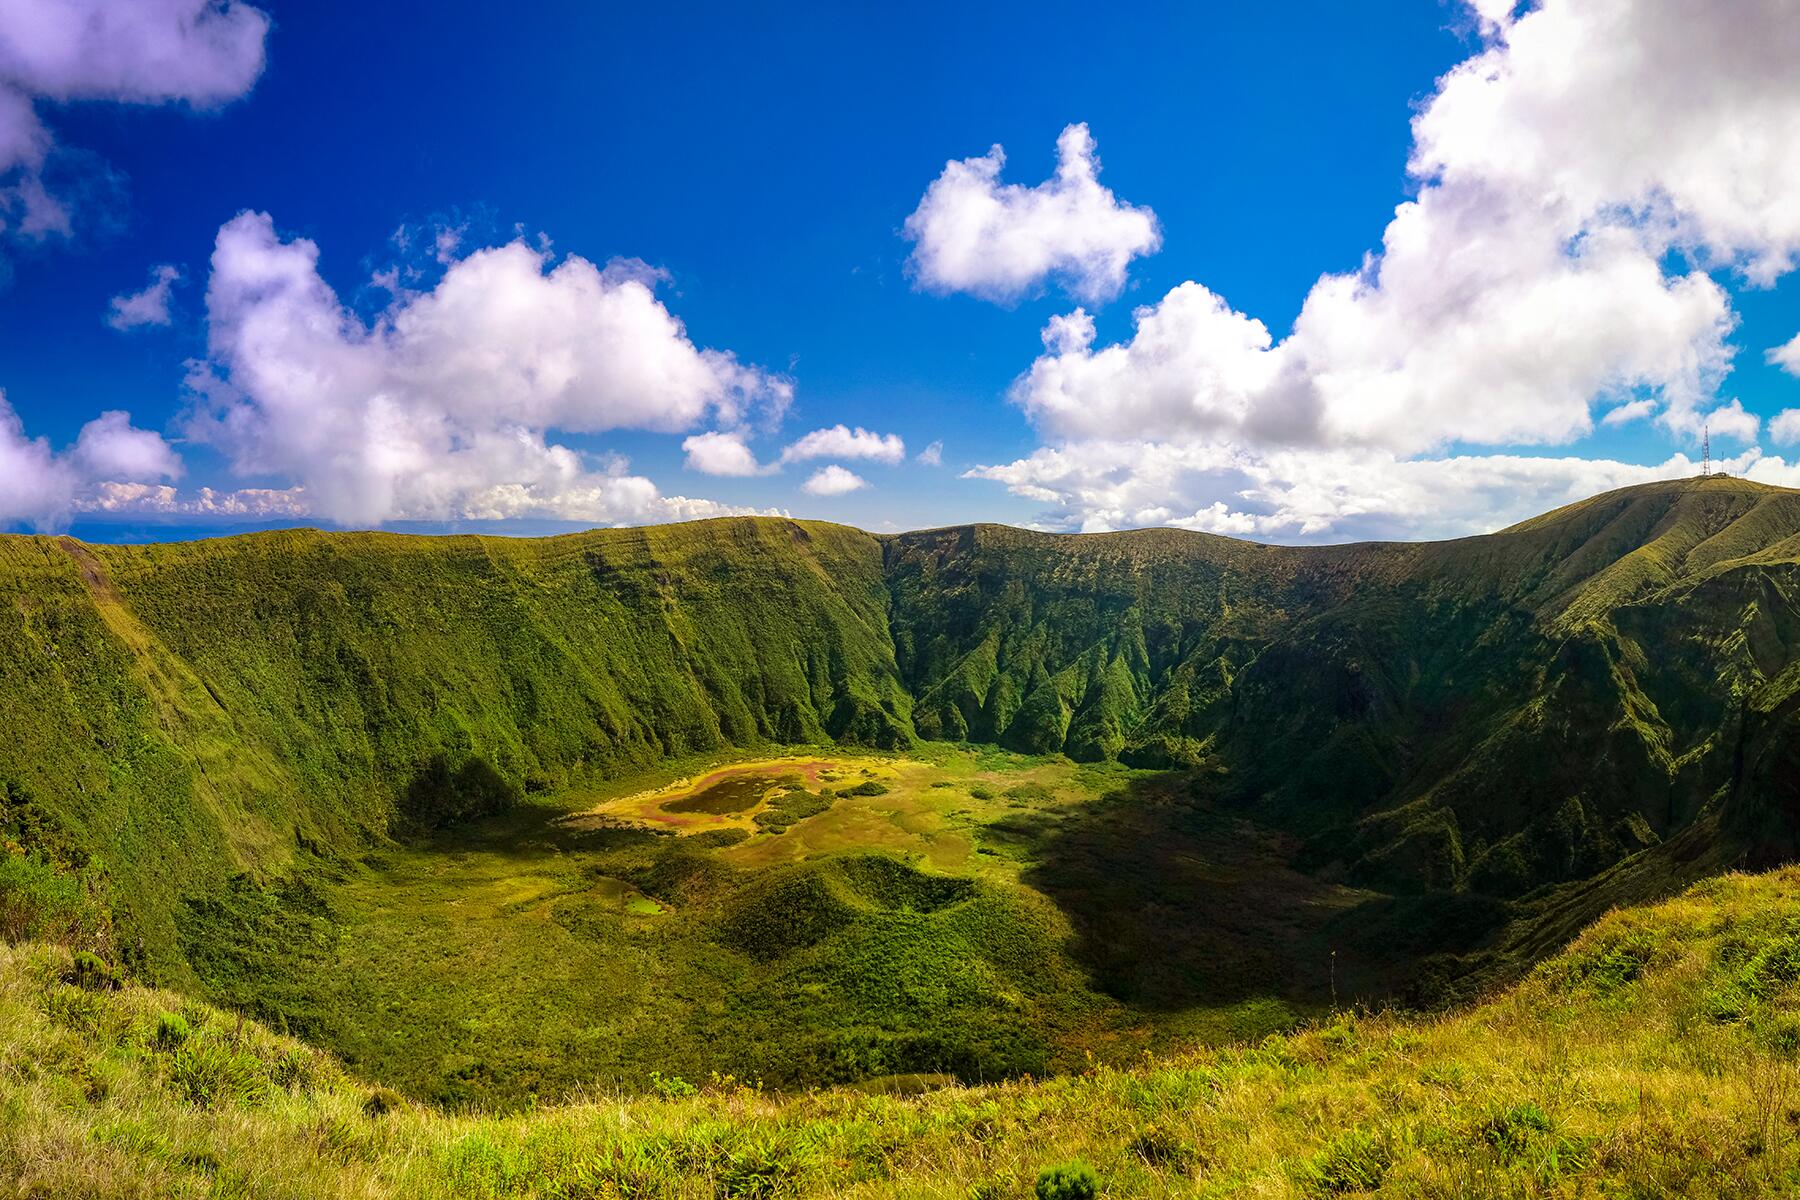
x,y
1657,1056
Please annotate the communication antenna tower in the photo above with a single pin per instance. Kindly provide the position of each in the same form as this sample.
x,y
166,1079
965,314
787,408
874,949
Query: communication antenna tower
x,y
1705,450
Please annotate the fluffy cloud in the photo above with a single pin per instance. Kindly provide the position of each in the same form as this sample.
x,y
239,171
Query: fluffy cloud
x,y
1472,326
842,442
1563,174
833,481
111,448
721,453
162,500
200,52
932,455
442,406
41,487
1787,356
1685,116
36,485
1001,241
1784,427
148,307
1311,495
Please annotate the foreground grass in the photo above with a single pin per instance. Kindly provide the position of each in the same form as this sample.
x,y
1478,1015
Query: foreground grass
x,y
1655,1057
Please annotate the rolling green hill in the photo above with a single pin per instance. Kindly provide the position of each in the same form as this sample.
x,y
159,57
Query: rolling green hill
x,y
223,761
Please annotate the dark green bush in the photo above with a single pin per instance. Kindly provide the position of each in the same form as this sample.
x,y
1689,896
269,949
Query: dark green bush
x,y
382,1101
718,839
790,808
867,787
42,900
1073,1180
90,971
1162,1147
171,1030
208,1074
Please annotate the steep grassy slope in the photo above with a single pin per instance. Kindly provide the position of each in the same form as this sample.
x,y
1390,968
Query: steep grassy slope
x,y
192,711
1490,714
1655,1057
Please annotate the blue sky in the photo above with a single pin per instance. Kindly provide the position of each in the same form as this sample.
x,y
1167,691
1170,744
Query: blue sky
x,y
767,163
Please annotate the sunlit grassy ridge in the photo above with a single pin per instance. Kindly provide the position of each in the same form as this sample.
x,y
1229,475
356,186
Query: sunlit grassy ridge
x,y
1655,1057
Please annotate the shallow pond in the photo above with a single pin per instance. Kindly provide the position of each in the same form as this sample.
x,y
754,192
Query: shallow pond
x,y
731,794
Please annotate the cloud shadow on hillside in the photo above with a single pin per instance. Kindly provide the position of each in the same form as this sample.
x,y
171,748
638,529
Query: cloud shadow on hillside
x,y
1180,900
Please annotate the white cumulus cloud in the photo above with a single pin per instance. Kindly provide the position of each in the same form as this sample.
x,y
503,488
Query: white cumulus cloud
x,y
443,405
833,480
840,441
147,307
721,453
1784,427
111,448
1787,356
40,486
1576,180
200,52
1001,241
1315,495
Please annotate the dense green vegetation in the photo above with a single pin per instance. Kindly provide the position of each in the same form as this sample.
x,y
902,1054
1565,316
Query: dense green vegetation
x,y
536,955
191,712
1127,791
1655,1057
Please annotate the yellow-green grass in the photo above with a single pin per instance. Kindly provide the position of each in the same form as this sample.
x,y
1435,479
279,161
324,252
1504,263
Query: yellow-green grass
x,y
938,798
1655,1057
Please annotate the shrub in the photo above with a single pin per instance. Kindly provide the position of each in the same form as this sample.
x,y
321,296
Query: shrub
x,y
867,787
792,807
718,839
758,1167
382,1101
1617,959
171,1030
90,971
207,1074
1073,1180
672,1087
293,1070
42,900
981,793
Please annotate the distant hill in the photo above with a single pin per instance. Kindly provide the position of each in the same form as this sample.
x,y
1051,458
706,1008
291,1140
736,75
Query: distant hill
x,y
1603,698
